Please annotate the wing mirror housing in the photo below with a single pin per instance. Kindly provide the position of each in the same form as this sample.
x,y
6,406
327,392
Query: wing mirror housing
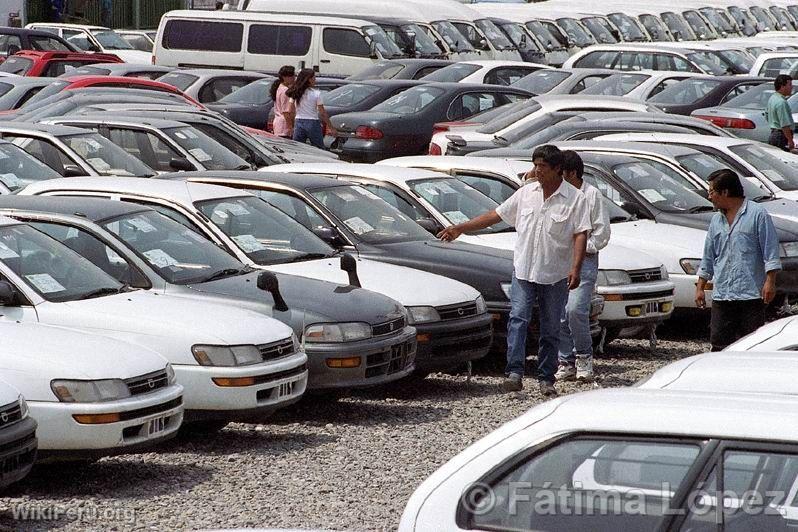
x,y
268,281
181,164
7,293
73,170
349,265
429,225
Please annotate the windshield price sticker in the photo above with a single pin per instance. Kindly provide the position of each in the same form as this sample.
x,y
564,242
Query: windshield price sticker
x,y
44,283
200,154
159,258
7,253
10,180
652,195
357,225
369,194
249,243
456,217
236,209
142,225
98,164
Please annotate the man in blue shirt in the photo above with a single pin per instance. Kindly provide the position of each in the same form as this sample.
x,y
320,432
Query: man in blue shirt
x,y
741,257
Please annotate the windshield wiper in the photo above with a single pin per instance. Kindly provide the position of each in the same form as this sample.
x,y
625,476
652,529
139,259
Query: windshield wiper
x,y
309,256
764,197
105,291
700,208
227,272
616,219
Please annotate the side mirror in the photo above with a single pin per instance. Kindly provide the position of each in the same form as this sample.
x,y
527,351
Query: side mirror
x,y
633,208
349,265
7,294
268,281
523,42
616,34
73,170
329,235
181,164
549,46
677,35
429,225
411,46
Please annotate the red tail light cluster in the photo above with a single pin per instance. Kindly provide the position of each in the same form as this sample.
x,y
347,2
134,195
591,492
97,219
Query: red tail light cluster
x,y
368,133
434,149
441,127
728,123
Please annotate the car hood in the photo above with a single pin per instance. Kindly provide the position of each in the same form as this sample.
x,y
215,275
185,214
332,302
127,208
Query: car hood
x,y
166,324
34,354
407,286
133,56
665,242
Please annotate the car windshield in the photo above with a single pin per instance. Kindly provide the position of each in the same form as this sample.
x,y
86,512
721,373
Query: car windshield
x,y
264,233
545,37
5,87
456,201
367,216
628,27
602,34
178,80
255,93
382,42
542,81
777,65
50,268
349,95
18,168
425,45
509,118
781,173
454,39
16,65
210,154
453,73
178,254
699,26
709,62
757,98
679,28
656,28
575,32
410,101
494,34
110,40
661,186
685,92
519,36
703,165
105,157
46,92
616,84
716,20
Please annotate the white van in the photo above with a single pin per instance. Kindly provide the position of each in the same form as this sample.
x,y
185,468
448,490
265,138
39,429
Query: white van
x,y
264,42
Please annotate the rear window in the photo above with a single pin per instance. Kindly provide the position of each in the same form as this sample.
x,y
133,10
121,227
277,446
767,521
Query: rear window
x,y
4,88
38,42
617,84
410,101
757,98
180,81
273,39
386,70
453,73
16,65
686,91
542,81
777,65
349,95
508,119
203,35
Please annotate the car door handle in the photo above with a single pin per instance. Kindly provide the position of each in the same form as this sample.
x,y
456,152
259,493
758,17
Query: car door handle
x,y
324,61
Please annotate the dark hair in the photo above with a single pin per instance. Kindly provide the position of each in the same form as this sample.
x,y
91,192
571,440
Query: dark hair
x,y
572,162
284,72
726,180
781,80
302,83
550,154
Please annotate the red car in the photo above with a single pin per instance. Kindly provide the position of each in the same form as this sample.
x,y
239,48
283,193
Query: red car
x,y
51,64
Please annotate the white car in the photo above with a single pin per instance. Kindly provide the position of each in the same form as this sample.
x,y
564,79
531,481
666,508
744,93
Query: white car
x,y
634,56
18,442
779,335
774,63
95,39
223,356
637,85
533,108
492,72
90,394
621,459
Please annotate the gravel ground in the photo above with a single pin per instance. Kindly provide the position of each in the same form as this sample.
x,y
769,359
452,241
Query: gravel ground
x,y
349,464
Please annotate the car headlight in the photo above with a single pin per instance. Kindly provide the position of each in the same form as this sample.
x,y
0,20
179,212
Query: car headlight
x,y
481,306
690,266
422,315
223,355
23,408
337,332
663,273
97,391
612,278
506,289
170,374
788,249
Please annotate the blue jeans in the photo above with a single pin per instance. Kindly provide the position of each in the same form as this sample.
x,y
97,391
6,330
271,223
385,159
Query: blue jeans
x,y
309,129
551,300
575,322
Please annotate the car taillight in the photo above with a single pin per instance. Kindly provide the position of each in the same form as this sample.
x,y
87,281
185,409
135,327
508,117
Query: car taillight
x,y
434,149
368,133
442,127
728,123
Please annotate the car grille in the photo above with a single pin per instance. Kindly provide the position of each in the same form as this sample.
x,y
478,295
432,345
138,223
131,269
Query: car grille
x,y
391,360
276,350
389,327
455,312
647,295
646,276
21,459
10,414
147,383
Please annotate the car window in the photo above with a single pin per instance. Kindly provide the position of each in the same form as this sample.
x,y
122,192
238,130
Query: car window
x,y
426,71
605,59
218,88
575,32
781,173
43,150
777,65
227,140
472,103
655,28
349,95
507,119
628,27
636,61
211,154
345,42
144,146
178,80
702,165
57,68
395,200
411,101
16,65
80,40
453,73
737,91
470,33
617,84
293,207
556,489
495,189
542,81
587,82
456,201
276,39
686,91
170,212
9,44
506,75
255,93
678,26
661,186
110,40
18,168
698,25
205,36
602,34
38,42
138,42
546,38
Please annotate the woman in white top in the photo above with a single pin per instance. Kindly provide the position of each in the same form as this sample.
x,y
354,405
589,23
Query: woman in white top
x,y
308,110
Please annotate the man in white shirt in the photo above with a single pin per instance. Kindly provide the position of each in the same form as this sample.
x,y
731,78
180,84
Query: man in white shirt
x,y
551,219
576,345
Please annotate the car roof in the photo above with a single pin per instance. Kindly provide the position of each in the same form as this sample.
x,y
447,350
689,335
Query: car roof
x,y
76,26
582,99
453,86
208,72
50,129
258,16
389,83
391,173
94,209
454,161
414,61
175,190
117,118
28,80
7,30
487,63
295,181
129,67
704,140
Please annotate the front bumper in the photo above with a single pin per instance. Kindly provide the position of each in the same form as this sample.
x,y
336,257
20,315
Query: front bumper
x,y
684,291
146,420
787,278
446,344
249,391
636,304
380,360
17,450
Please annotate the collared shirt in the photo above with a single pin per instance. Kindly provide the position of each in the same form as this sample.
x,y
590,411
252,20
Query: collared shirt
x,y
280,124
599,235
545,244
778,112
737,257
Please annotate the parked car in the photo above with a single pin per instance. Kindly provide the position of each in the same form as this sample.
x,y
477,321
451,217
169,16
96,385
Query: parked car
x,y
636,85
72,152
491,72
13,40
18,168
778,335
363,95
110,397
606,445
402,124
329,321
51,64
260,246
95,39
703,91
15,92
143,40
400,69
129,70
774,63
634,57
562,80
221,355
208,85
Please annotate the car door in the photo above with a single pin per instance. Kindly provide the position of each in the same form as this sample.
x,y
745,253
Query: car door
x,y
270,46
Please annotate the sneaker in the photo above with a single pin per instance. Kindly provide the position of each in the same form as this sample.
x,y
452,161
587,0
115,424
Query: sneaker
x,y
512,383
547,389
584,368
565,372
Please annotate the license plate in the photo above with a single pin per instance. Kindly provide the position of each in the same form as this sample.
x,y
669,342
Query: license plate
x,y
286,389
651,308
156,426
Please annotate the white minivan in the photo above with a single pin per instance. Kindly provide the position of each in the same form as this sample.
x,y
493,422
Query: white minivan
x,y
332,46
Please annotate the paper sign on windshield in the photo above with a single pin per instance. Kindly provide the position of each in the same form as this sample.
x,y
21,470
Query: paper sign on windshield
x,y
10,180
652,195
142,225
200,154
249,243
44,283
456,217
357,225
159,258
98,164
7,253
